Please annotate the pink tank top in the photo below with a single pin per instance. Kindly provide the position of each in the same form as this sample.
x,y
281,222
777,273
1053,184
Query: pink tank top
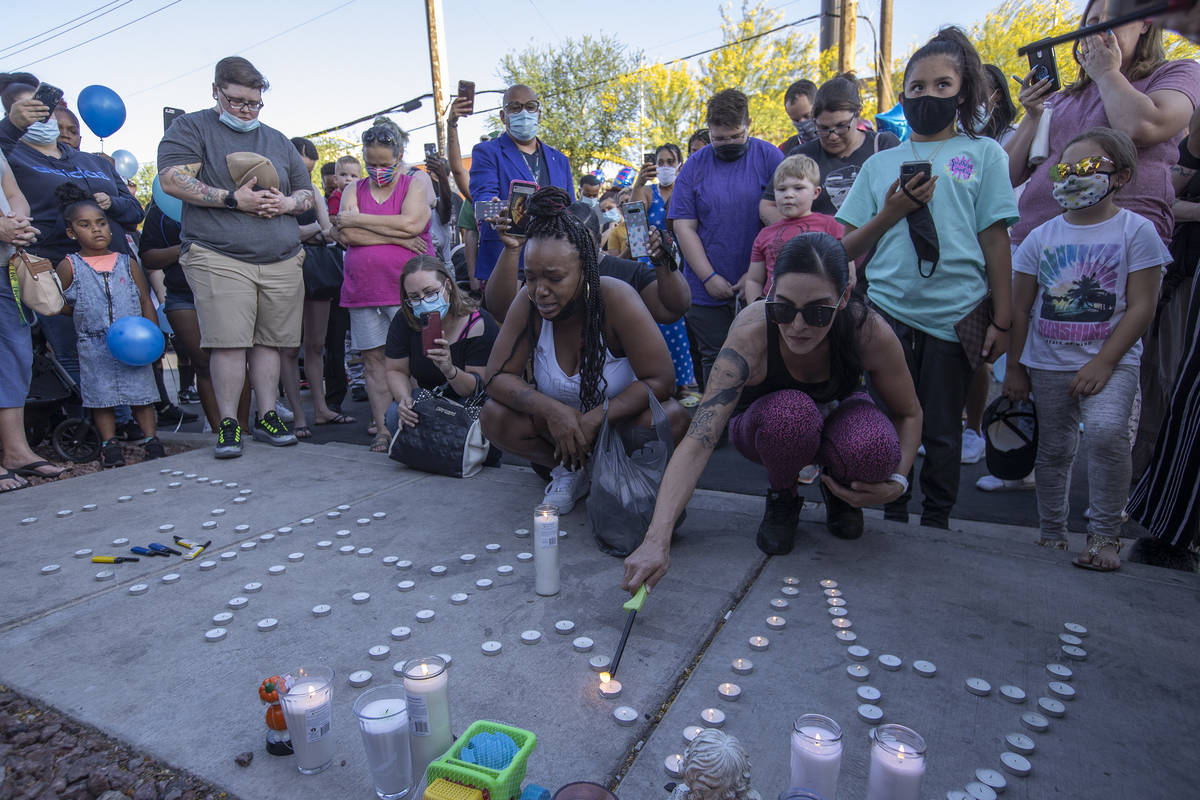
x,y
372,272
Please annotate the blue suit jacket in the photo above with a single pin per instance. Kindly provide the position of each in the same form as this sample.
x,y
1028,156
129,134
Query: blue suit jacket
x,y
494,165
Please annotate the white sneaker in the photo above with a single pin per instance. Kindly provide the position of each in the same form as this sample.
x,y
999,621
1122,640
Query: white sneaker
x,y
990,483
284,412
566,487
974,447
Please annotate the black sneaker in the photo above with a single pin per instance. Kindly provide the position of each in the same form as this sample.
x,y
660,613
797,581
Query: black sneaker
x,y
154,448
171,413
843,520
229,439
273,430
111,454
188,396
130,431
777,531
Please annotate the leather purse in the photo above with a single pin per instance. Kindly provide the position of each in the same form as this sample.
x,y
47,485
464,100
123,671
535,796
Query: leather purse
x,y
972,330
36,283
447,439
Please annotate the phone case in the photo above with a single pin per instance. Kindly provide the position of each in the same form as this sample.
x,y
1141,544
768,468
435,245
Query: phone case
x,y
639,233
431,331
519,193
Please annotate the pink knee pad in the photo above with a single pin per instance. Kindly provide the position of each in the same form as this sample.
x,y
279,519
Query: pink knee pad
x,y
859,443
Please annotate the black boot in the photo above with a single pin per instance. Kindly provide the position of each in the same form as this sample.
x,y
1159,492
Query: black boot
x,y
777,531
843,520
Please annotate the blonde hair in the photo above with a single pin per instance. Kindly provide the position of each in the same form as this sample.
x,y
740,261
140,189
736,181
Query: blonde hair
x,y
460,306
801,167
1148,55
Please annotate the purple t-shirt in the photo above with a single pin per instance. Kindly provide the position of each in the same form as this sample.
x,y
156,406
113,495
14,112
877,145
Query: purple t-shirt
x,y
1150,193
722,196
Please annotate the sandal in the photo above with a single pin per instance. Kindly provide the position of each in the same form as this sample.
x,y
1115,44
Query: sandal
x,y
30,470
381,443
372,430
11,475
1053,544
1095,545
302,432
340,419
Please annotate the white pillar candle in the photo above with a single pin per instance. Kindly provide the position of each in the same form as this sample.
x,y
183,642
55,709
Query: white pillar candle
x,y
816,755
427,695
383,723
545,550
897,764
307,708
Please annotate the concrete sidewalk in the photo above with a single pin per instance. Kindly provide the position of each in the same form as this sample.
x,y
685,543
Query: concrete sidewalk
x,y
978,601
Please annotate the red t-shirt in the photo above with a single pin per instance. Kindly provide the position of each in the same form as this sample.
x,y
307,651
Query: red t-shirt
x,y
771,239
334,203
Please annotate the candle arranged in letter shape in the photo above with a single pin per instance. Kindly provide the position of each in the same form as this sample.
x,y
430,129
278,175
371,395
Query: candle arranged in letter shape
x,y
307,708
545,550
816,754
383,722
897,764
427,694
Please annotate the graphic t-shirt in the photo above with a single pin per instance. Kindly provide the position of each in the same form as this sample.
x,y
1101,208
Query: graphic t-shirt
x,y
1081,272
771,239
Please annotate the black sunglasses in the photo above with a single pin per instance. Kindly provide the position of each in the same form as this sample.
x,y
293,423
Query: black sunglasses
x,y
383,137
782,313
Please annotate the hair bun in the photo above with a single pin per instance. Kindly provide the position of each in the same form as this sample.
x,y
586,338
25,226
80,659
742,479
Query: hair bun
x,y
68,194
548,202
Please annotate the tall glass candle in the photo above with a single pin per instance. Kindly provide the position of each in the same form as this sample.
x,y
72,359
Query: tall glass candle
x,y
307,708
816,755
427,695
897,764
383,722
545,550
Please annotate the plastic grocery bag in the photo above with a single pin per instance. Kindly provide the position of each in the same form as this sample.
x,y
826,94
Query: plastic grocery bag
x,y
628,462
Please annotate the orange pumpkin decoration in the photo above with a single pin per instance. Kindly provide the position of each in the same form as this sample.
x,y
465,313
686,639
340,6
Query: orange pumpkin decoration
x,y
270,688
275,718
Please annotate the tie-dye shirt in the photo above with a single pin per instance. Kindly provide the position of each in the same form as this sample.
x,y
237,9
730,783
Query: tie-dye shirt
x,y
1081,272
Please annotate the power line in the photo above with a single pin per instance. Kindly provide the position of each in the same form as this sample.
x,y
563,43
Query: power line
x,y
56,27
66,31
244,49
101,35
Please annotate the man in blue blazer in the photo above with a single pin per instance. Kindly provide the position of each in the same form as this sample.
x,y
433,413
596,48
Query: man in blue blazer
x,y
518,154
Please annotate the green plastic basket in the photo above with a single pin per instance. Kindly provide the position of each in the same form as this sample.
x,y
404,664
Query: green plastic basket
x,y
502,784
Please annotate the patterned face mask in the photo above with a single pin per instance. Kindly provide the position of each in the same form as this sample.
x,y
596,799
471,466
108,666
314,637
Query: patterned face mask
x,y
1082,191
382,176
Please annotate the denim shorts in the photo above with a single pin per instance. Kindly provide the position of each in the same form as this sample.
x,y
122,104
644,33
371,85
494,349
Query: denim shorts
x,y
179,301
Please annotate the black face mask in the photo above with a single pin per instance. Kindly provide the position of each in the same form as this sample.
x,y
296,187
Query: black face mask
x,y
924,237
730,152
928,115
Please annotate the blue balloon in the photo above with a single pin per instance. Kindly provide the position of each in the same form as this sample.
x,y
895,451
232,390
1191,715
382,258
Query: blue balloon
x,y
135,341
102,109
893,121
171,206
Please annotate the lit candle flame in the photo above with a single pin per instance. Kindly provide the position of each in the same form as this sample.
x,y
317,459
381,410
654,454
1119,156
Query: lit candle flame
x,y
900,755
605,677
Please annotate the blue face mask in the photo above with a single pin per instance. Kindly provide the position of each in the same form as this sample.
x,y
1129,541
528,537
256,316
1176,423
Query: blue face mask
x,y
523,125
612,215
438,303
237,123
42,132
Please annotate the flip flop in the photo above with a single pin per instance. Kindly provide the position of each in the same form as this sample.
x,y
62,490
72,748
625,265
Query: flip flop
x,y
13,476
30,470
381,443
340,419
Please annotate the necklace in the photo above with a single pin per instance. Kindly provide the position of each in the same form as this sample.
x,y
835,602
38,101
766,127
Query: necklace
x,y
912,146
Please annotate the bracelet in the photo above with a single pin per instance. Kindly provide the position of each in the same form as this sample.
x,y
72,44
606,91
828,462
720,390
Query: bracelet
x,y
896,477
711,275
997,327
455,375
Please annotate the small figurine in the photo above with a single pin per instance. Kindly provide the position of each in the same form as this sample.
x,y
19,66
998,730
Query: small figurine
x,y
279,743
715,767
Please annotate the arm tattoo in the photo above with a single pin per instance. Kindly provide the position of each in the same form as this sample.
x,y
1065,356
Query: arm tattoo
x,y
304,201
729,375
183,177
523,400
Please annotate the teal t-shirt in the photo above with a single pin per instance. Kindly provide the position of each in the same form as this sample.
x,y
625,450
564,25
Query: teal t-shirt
x,y
972,194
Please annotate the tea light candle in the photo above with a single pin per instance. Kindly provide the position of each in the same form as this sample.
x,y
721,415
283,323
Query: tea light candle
x,y
492,548
624,716
322,610
243,528
358,598
836,602
361,521
858,672
50,569
343,533
1020,743
1013,694
1070,638
491,648
267,538
991,779
379,515
151,490
267,624
248,545
599,663
816,754
1061,690
729,691
171,485
347,549
1060,672
846,636
365,552
30,521
1051,707
284,531
789,591
713,717
379,652
791,580
404,563
360,678
229,555
564,627
484,584
523,557
521,533
458,598
829,583
214,634
437,571
294,557
223,618
1075,628
238,602
1035,722
105,575
673,764
425,615
925,669
217,512
868,694
531,637
245,492
1073,652
743,666
171,577
759,643
582,644
324,544
406,586
775,622
504,569
691,732
401,632
897,764
978,687
84,553
205,566
858,653
890,662
333,515
832,592
277,569
1016,764
467,558
779,603
842,623
980,791
139,589
390,561
610,688
208,525
837,612
870,713
125,498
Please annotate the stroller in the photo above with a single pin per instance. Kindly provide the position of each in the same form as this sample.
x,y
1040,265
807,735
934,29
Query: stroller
x,y
52,409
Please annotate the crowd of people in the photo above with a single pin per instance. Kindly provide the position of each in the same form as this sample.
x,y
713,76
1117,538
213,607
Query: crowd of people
x,y
831,305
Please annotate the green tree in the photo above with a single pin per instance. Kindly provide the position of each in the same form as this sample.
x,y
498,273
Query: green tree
x,y
585,112
670,108
145,180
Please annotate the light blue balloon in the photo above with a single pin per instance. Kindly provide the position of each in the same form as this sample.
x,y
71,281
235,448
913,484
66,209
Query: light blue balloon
x,y
893,121
171,206
127,164
102,109
135,341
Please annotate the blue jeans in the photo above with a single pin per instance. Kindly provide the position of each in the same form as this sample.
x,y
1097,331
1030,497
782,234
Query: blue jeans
x,y
392,418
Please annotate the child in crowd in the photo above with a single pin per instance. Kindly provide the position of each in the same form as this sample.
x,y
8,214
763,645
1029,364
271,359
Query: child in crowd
x,y
942,245
345,173
100,287
797,182
1091,278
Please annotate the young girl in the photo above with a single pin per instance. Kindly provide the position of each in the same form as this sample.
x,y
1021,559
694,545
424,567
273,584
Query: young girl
x,y
101,287
1091,279
941,245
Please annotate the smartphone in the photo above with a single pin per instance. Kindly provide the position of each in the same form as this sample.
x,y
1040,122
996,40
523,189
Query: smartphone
x,y
1041,61
169,115
638,228
430,149
668,243
909,169
650,159
487,209
467,89
432,330
48,95
518,203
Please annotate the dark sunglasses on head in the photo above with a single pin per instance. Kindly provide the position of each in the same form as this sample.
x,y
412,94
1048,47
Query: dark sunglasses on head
x,y
382,137
784,313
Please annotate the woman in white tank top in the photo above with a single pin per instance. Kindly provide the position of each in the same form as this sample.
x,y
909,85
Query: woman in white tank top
x,y
588,340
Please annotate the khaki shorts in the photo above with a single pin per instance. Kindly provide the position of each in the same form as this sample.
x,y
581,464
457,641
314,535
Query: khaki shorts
x,y
239,304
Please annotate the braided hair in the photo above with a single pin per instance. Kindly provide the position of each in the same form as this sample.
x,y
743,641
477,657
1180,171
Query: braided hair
x,y
550,219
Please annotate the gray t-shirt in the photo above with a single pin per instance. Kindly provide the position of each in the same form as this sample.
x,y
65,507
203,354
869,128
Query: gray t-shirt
x,y
201,137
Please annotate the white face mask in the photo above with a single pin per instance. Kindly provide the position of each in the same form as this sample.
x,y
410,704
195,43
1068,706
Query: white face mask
x,y
612,215
666,175
590,201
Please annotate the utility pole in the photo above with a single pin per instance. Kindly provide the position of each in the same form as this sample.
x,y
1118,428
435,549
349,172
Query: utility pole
x,y
847,29
437,67
829,24
883,73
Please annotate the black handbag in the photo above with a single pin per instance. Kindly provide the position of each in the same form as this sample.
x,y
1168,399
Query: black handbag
x,y
447,439
322,271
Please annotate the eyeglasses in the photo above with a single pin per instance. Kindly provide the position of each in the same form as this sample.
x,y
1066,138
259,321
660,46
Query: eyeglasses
x,y
240,105
424,298
515,107
840,130
1088,166
381,136
783,313
735,139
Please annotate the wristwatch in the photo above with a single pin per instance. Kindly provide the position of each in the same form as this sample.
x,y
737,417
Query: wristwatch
x,y
230,201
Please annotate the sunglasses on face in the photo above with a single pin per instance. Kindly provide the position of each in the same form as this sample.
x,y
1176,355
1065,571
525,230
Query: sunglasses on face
x,y
784,313
516,108
1088,166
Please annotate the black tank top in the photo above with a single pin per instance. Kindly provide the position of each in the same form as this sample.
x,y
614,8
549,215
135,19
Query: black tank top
x,y
841,384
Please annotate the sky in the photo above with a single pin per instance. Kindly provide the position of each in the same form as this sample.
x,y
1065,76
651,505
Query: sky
x,y
330,61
